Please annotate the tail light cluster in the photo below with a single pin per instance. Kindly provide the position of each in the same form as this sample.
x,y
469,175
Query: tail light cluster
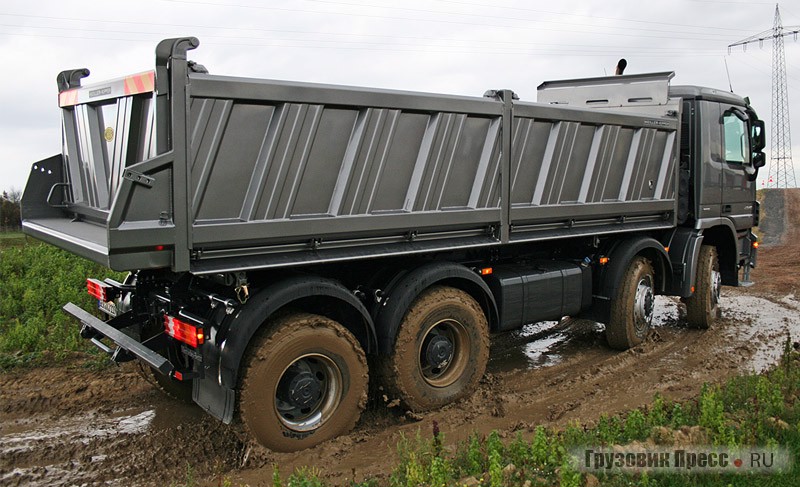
x,y
102,291
178,328
182,331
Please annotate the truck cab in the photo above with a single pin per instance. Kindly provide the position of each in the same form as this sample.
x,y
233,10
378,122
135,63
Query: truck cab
x,y
722,141
721,152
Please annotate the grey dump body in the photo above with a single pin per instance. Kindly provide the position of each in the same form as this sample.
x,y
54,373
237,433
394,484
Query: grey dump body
x,y
234,201
210,174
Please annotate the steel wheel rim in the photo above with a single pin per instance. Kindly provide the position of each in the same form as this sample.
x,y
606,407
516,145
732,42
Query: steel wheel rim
x,y
308,392
439,365
644,304
716,287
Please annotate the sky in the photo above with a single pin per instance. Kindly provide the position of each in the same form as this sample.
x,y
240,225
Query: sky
x,y
462,47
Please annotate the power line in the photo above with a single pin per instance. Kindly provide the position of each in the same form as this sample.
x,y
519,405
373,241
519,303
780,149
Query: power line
x,y
781,157
451,22
326,33
616,19
486,16
455,50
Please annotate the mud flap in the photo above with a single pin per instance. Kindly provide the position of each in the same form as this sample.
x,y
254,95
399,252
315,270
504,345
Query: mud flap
x,y
209,393
749,261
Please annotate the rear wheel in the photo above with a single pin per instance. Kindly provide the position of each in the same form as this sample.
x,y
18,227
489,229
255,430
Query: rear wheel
x,y
441,350
702,307
632,306
305,381
176,389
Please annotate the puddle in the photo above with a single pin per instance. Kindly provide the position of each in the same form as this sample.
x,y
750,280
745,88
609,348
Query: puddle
x,y
28,435
755,320
762,324
65,438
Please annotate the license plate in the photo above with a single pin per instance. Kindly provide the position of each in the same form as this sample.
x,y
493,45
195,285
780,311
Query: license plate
x,y
109,308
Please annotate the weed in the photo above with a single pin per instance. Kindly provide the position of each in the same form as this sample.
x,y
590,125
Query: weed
x,y
636,427
540,449
519,450
305,477
568,476
657,415
495,467
475,465
37,281
276,476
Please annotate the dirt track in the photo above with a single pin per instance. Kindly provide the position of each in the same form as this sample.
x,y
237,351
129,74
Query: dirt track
x,y
78,426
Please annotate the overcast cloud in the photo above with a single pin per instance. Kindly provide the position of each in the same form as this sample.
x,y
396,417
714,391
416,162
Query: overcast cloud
x,y
447,46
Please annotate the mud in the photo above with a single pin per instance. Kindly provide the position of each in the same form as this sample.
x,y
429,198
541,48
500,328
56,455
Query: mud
x,y
77,426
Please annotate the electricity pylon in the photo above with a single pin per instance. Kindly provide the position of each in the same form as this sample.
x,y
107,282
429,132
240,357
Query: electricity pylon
x,y
781,168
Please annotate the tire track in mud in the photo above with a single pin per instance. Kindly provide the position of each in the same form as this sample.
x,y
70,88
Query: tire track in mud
x,y
589,381
77,426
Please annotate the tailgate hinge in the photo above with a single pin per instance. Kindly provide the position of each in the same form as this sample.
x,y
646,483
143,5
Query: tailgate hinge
x,y
139,178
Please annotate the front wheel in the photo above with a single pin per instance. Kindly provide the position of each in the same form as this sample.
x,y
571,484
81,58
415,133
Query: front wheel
x,y
632,306
702,307
305,382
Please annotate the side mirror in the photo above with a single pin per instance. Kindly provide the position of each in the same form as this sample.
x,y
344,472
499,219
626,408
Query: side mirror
x,y
758,136
759,160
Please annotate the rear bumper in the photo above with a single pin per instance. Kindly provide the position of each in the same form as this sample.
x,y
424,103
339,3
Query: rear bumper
x,y
138,350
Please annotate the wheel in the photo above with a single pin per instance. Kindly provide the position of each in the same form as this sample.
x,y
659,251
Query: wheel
x,y
702,307
632,306
305,381
440,352
176,389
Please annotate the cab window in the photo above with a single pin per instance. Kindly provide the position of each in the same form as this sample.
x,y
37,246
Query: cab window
x,y
736,141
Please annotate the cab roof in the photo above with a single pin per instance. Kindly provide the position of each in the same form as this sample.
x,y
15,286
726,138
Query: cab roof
x,y
702,93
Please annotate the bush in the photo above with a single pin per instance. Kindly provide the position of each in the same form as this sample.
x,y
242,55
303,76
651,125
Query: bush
x,y
37,281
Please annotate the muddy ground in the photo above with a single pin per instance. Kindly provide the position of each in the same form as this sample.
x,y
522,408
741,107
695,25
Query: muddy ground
x,y
78,426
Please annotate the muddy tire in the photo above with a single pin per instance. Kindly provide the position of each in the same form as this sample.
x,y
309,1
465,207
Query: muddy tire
x,y
632,306
175,389
702,308
440,352
305,381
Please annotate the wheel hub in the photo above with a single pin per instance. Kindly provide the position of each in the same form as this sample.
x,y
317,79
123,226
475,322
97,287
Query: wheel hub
x,y
645,303
439,352
304,390
716,286
308,392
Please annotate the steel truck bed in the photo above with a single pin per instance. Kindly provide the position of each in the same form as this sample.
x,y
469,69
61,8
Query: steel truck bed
x,y
203,173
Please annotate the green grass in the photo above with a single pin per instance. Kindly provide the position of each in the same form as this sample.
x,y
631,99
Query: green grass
x,y
37,280
753,410
12,239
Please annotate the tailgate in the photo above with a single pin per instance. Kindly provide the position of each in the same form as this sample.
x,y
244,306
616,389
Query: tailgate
x,y
109,195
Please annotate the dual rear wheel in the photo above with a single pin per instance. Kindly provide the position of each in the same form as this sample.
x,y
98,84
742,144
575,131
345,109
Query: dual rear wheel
x,y
305,380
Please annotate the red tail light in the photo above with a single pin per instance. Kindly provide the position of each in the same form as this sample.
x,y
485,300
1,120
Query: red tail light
x,y
184,332
100,290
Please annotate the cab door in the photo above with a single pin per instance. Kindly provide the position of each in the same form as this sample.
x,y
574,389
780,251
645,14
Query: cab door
x,y
709,162
738,192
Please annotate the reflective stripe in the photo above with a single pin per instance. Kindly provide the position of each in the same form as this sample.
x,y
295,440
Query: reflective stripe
x,y
68,98
134,84
140,83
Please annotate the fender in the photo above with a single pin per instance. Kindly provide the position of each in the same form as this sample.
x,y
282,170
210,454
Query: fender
x,y
721,233
619,257
274,297
400,296
684,250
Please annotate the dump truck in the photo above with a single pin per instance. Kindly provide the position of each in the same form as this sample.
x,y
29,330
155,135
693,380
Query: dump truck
x,y
290,243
